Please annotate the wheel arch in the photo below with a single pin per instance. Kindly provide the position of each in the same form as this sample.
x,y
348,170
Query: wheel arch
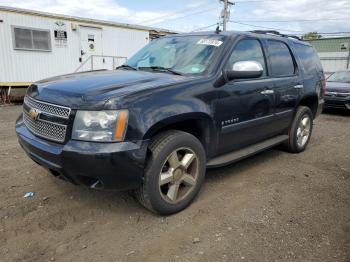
x,y
311,101
198,124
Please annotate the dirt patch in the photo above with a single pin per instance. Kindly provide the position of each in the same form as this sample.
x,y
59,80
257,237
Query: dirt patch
x,y
273,206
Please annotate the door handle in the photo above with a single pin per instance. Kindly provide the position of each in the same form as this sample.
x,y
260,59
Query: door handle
x,y
299,86
267,92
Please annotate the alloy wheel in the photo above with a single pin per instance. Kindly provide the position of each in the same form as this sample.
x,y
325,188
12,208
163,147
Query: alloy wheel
x,y
178,175
303,131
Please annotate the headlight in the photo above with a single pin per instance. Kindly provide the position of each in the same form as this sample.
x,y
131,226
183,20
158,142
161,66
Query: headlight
x,y
103,126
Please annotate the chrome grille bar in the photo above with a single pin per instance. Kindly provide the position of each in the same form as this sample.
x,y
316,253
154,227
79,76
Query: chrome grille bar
x,y
43,128
56,110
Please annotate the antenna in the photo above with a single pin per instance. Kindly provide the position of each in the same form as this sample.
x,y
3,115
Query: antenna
x,y
217,30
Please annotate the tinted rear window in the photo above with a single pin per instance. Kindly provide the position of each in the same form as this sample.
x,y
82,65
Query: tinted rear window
x,y
308,57
281,59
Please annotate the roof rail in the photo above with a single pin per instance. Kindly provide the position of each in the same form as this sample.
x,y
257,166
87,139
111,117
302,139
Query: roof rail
x,y
273,32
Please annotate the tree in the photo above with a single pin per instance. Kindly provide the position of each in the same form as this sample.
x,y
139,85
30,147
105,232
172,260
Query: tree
x,y
311,36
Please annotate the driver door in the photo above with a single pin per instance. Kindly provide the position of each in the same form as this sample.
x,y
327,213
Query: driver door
x,y
245,106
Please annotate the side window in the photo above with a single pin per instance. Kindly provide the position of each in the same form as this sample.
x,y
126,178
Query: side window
x,y
247,50
308,58
281,60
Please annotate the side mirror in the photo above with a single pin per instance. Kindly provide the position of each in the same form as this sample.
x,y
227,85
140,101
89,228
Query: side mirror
x,y
244,70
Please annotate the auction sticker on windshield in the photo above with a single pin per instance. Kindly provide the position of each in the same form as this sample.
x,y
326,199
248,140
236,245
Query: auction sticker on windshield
x,y
212,42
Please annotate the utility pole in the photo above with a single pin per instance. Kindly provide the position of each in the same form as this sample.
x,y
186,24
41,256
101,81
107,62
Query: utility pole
x,y
225,13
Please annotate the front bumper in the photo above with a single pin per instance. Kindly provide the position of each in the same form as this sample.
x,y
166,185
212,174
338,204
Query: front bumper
x,y
337,102
110,166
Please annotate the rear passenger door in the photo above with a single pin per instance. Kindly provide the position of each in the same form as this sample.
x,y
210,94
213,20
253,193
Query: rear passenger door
x,y
287,85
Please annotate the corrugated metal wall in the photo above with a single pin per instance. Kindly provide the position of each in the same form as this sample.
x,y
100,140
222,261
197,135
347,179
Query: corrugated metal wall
x,y
334,53
334,61
30,66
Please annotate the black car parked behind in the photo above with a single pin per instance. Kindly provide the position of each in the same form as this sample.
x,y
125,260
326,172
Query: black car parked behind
x,y
181,104
338,90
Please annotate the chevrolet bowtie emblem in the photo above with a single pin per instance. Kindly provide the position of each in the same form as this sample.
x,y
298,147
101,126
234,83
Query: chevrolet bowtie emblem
x,y
34,113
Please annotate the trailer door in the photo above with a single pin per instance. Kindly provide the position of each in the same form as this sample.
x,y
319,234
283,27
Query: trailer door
x,y
91,48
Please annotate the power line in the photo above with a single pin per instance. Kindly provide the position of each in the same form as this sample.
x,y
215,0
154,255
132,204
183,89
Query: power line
x,y
231,3
242,22
295,20
279,29
265,27
176,13
169,14
203,4
180,17
288,30
205,27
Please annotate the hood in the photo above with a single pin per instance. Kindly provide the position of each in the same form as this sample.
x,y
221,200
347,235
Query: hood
x,y
95,88
338,87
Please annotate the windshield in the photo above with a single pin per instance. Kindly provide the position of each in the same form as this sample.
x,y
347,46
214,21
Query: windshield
x,y
179,54
343,77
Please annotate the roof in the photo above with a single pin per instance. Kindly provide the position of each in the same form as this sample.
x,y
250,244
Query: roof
x,y
82,19
331,44
246,33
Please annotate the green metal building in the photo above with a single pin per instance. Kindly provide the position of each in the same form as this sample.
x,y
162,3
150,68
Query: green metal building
x,y
333,52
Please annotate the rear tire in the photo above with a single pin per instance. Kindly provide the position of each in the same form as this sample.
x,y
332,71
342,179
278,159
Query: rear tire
x,y
174,173
300,130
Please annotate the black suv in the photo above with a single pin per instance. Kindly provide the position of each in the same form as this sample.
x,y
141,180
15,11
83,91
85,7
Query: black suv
x,y
182,104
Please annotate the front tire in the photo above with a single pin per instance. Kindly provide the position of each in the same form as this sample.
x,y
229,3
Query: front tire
x,y
300,130
174,174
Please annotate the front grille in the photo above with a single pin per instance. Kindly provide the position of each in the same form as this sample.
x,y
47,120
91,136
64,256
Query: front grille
x,y
60,111
46,129
335,104
335,94
51,131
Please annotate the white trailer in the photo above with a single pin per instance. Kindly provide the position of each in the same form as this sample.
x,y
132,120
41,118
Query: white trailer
x,y
36,45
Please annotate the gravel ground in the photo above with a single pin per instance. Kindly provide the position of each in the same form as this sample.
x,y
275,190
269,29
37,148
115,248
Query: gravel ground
x,y
271,207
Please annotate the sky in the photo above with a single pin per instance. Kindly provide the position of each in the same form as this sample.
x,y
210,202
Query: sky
x,y
190,15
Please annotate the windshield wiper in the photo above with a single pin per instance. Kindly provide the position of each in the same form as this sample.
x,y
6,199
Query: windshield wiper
x,y
126,67
161,69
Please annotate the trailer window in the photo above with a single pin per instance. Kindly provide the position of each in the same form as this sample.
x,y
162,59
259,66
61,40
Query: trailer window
x,y
31,39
